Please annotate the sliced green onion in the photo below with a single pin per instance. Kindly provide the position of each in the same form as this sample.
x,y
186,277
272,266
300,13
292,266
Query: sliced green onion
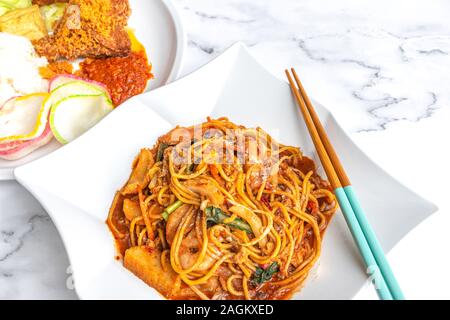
x,y
174,206
262,275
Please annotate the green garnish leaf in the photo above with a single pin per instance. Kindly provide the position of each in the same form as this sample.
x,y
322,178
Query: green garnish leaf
x,y
160,154
262,275
215,215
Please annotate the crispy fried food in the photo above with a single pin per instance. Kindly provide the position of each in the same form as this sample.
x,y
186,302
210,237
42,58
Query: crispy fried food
x,y
56,68
25,22
89,28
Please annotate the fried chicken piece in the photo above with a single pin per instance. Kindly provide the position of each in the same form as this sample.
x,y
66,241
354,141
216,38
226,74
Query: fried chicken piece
x,y
89,28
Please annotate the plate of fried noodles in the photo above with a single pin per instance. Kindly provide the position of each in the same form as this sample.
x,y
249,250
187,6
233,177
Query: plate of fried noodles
x,y
210,188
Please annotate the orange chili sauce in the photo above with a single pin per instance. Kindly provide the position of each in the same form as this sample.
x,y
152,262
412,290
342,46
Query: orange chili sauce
x,y
124,77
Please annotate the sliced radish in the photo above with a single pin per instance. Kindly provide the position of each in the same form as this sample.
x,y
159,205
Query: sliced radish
x,y
23,118
73,88
74,115
19,149
64,79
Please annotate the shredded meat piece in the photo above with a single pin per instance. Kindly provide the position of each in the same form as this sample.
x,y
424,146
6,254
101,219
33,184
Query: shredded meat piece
x,y
101,31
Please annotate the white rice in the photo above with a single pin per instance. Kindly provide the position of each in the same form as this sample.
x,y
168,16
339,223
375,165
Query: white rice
x,y
19,68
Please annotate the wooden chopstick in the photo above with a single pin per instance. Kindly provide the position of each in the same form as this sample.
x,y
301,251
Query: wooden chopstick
x,y
370,235
342,175
362,243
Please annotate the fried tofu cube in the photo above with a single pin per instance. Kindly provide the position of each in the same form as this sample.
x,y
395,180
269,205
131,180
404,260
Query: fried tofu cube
x,y
26,22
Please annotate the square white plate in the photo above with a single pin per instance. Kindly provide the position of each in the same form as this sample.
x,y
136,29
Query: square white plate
x,y
159,28
76,183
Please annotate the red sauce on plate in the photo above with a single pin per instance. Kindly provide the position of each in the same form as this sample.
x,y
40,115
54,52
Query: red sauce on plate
x,y
125,77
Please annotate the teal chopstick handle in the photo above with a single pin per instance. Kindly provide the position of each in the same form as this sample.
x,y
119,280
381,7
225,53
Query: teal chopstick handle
x,y
375,246
372,268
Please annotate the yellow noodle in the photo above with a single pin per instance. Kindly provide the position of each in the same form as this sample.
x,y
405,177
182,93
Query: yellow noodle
x,y
132,232
245,288
230,285
260,186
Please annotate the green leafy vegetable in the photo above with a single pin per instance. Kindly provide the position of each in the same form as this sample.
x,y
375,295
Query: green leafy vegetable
x,y
8,5
52,14
160,155
174,206
262,275
217,216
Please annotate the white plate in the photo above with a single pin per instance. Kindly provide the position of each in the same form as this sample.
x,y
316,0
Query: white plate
x,y
159,27
76,184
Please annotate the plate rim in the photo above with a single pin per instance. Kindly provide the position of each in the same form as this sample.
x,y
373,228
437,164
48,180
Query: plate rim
x,y
181,42
238,48
7,174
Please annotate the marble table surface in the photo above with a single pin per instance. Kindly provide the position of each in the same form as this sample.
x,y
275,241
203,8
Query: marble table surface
x,y
382,67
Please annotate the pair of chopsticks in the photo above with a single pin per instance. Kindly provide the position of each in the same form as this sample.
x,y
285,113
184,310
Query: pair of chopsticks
x,y
377,265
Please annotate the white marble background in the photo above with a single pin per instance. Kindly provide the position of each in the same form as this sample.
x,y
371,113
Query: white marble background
x,y
382,67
